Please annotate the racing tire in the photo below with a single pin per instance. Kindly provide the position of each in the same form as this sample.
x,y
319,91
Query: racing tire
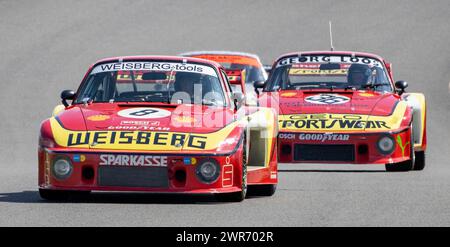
x,y
419,163
59,195
399,167
262,190
53,195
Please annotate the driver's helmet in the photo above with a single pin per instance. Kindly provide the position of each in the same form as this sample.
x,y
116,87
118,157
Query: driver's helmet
x,y
188,82
358,74
184,82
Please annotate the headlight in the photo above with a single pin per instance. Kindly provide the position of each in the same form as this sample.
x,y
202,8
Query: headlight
x,y
62,168
386,144
208,171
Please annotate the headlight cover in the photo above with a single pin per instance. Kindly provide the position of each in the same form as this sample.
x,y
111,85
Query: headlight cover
x,y
208,171
386,144
61,168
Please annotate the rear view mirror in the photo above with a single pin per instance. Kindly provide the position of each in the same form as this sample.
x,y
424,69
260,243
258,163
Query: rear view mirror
x,y
330,66
67,95
154,76
257,85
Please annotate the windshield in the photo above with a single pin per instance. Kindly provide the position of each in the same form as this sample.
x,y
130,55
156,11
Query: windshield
x,y
326,71
152,81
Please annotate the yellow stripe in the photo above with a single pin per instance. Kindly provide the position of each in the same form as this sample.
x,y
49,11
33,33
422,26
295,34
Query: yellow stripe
x,y
131,141
342,122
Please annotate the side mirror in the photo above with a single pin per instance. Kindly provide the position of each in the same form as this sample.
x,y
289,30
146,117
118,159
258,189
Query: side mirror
x,y
401,85
257,85
67,95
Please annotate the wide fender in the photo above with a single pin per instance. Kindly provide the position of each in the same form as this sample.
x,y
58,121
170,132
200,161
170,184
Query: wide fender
x,y
418,104
57,110
262,130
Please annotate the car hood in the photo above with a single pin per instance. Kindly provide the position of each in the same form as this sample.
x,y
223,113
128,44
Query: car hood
x,y
177,118
144,127
343,110
343,102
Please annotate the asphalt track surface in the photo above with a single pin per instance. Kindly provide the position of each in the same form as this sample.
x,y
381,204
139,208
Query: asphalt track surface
x,y
47,46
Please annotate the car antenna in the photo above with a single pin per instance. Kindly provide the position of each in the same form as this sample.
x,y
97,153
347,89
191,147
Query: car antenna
x,y
331,37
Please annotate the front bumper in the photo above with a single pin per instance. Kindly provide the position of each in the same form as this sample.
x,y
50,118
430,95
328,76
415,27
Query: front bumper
x,y
344,147
103,171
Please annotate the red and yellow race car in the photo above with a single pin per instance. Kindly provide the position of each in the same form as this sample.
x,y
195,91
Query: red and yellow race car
x,y
157,124
344,107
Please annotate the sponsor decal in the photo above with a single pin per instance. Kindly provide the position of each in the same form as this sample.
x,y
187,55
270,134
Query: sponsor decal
x,y
328,59
79,158
132,160
328,99
144,113
98,117
155,66
185,119
367,94
401,145
286,136
137,138
332,122
324,137
299,103
295,72
189,161
273,175
288,94
135,127
140,123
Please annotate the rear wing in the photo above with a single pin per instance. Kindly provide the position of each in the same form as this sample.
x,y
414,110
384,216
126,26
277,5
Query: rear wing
x,y
236,77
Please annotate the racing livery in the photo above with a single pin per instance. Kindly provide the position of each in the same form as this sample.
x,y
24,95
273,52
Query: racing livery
x,y
157,124
343,107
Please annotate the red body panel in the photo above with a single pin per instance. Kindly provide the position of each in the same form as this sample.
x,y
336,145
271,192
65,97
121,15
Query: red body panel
x,y
105,117
368,103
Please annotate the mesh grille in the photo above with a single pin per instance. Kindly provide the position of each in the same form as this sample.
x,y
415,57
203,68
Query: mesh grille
x,y
312,152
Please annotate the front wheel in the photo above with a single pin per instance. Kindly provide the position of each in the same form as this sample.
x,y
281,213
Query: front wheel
x,y
262,190
53,195
59,195
399,167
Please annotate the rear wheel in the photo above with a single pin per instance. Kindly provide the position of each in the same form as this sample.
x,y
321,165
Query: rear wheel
x,y
399,167
262,190
419,163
